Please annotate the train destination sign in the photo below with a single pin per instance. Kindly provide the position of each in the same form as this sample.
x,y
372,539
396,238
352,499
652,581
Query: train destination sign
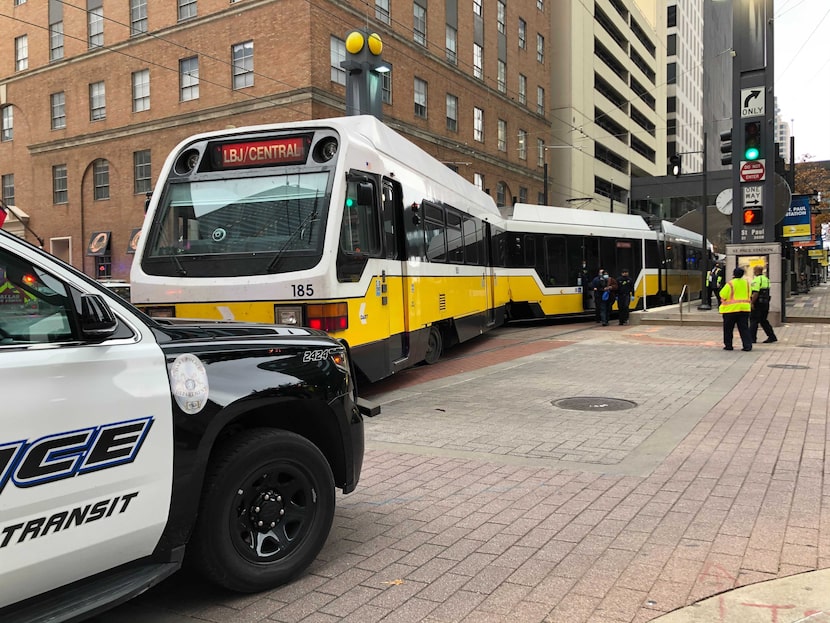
x,y
275,151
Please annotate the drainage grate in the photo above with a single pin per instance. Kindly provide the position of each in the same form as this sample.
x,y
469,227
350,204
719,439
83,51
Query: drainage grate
x,y
593,403
788,366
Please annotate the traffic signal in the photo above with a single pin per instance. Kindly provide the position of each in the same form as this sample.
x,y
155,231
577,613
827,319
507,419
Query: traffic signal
x,y
754,216
676,163
752,140
726,146
364,67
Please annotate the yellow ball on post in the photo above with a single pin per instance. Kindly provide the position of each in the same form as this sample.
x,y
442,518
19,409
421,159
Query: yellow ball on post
x,y
375,44
354,42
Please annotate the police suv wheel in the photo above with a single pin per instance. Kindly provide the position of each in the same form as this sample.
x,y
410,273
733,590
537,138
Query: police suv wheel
x,y
266,511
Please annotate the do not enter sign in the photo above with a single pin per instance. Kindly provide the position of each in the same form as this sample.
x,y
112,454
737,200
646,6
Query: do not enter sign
x,y
752,171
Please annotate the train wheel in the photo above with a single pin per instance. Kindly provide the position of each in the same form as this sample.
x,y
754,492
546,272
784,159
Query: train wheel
x,y
435,346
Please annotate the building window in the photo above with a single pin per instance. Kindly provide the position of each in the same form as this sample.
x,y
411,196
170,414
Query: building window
x,y
19,2
522,89
522,194
101,179
477,7
452,45
671,73
95,27
522,34
671,16
189,78
138,17
419,24
57,103
141,90
7,124
103,266
522,144
452,113
540,101
7,182
540,48
243,65
500,13
501,78
141,172
502,135
501,191
478,59
21,52
338,55
56,41
540,152
187,9
478,124
97,101
386,87
671,45
420,98
540,4
59,186
382,11
478,180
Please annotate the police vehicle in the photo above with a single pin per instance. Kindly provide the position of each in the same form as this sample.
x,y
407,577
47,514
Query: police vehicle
x,y
129,445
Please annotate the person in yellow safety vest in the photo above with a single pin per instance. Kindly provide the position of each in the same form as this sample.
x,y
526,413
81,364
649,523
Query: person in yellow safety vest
x,y
760,307
734,308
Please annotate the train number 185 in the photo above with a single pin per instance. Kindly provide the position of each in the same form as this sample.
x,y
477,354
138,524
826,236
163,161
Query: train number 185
x,y
298,289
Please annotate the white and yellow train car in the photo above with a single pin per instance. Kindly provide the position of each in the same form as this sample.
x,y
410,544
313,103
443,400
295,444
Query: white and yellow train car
x,y
338,224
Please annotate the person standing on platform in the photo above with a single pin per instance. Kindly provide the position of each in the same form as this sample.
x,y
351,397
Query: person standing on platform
x,y
597,284
760,307
625,288
714,281
608,294
734,308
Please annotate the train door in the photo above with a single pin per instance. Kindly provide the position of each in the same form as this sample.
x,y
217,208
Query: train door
x,y
488,266
394,293
593,259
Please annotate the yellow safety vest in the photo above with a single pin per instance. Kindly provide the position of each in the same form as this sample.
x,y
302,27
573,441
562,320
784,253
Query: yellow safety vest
x,y
735,297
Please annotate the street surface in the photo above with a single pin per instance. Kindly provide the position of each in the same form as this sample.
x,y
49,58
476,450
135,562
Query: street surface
x,y
567,473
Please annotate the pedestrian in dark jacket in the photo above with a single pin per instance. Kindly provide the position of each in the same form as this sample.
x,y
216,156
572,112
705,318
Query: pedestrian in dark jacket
x,y
597,284
607,296
625,288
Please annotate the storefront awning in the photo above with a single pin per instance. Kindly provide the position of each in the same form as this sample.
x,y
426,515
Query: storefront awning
x,y
133,243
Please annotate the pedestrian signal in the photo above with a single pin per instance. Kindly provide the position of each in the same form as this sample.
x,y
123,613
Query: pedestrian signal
x,y
676,163
754,216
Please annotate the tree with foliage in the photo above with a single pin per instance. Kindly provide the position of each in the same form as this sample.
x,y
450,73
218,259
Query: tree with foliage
x,y
813,179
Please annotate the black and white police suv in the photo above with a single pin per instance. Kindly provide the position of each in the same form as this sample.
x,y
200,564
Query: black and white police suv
x,y
129,445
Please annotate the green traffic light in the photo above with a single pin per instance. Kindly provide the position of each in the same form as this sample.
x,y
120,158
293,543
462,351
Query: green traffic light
x,y
752,153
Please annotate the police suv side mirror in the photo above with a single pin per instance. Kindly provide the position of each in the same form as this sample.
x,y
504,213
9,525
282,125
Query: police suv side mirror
x,y
97,319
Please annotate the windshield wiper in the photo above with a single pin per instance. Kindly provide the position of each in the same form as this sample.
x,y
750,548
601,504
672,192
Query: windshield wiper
x,y
312,216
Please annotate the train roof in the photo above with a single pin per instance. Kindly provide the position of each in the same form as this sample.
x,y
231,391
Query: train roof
x,y
679,234
566,220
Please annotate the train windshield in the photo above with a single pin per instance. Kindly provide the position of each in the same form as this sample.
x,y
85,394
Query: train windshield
x,y
265,220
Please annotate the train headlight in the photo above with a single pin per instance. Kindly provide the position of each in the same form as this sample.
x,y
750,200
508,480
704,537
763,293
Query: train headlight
x,y
289,315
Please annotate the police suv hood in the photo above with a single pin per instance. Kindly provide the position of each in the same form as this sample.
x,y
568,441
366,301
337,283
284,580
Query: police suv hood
x,y
183,330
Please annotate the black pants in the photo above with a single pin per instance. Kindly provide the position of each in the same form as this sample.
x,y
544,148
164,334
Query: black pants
x,y
622,303
740,320
597,305
758,316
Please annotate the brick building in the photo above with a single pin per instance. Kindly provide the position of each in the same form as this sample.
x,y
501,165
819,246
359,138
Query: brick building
x,y
94,94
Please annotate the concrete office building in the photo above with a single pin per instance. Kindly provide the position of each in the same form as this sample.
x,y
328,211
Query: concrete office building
x,y
608,102
94,94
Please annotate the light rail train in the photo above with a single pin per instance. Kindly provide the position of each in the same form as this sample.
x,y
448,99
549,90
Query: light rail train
x,y
344,225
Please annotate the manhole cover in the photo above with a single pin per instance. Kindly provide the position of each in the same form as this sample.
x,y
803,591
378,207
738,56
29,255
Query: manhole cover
x,y
593,403
788,366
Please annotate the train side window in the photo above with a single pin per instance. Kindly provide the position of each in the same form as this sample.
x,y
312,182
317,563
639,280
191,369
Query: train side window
x,y
391,199
435,233
360,231
455,241
470,230
557,260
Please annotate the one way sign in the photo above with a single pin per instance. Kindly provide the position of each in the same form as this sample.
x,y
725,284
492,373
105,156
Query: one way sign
x,y
753,103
